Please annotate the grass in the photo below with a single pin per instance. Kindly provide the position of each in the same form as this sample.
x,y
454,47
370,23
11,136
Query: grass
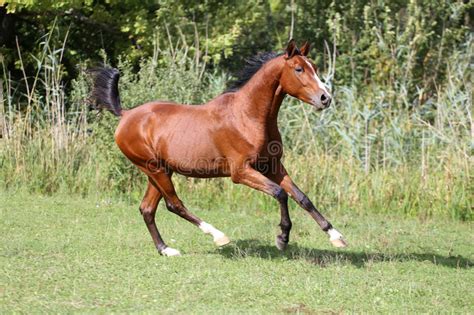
x,y
392,173
392,169
67,254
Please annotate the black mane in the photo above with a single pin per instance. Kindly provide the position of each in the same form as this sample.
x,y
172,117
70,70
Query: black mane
x,y
253,64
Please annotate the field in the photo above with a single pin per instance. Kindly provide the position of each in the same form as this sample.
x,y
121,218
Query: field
x,y
390,163
64,254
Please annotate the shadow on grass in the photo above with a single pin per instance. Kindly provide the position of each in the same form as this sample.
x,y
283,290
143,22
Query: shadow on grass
x,y
255,248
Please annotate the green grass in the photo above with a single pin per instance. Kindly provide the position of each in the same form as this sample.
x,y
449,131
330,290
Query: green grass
x,y
64,254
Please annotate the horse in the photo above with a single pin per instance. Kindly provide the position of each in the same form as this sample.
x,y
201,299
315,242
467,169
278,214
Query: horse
x,y
234,135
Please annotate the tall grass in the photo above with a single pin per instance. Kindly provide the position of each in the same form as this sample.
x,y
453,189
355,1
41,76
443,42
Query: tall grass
x,y
372,151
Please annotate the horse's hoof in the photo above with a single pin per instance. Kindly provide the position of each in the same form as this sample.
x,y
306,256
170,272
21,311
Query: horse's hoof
x,y
336,238
339,243
168,251
221,241
280,244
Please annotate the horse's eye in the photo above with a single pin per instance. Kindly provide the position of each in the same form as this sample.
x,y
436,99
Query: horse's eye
x,y
299,69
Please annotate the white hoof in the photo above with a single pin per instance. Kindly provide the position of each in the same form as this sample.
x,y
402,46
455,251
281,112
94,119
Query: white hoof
x,y
168,251
339,243
336,238
221,241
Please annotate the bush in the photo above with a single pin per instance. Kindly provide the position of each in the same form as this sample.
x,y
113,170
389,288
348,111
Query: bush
x,y
372,151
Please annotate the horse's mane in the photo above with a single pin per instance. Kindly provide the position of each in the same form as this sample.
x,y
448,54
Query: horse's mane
x,y
252,65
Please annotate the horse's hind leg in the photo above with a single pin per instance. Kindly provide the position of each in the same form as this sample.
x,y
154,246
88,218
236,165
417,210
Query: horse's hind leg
x,y
148,209
162,180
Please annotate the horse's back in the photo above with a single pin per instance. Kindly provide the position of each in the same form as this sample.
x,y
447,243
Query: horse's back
x,y
164,129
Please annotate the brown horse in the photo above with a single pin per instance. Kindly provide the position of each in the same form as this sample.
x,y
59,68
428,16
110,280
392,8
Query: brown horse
x,y
234,135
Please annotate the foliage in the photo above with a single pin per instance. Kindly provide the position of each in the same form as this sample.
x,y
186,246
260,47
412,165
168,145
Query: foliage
x,y
376,42
211,30
363,153
400,72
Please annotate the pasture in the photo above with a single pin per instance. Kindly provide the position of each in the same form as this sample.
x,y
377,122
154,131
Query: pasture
x,y
389,163
66,254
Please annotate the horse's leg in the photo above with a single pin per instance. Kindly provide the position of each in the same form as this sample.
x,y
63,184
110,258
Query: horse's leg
x,y
250,177
256,180
303,201
148,209
175,205
285,221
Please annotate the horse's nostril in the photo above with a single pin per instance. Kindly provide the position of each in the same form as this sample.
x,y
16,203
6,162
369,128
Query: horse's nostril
x,y
325,99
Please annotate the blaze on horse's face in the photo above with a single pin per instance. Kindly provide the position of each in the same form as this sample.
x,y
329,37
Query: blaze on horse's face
x,y
299,78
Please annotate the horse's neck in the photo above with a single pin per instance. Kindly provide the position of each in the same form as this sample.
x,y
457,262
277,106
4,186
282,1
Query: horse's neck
x,y
263,95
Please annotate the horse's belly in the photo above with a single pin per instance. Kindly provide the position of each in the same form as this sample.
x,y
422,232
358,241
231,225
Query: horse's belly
x,y
201,168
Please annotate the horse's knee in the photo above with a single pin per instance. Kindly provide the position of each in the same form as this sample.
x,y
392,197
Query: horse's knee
x,y
148,214
281,195
176,208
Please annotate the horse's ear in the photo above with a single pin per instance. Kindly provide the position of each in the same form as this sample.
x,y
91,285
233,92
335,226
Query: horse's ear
x,y
305,48
291,49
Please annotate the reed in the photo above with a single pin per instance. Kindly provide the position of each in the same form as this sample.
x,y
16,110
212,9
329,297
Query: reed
x,y
373,150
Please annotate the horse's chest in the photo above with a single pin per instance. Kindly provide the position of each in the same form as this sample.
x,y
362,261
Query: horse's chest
x,y
267,153
271,145
271,148
261,146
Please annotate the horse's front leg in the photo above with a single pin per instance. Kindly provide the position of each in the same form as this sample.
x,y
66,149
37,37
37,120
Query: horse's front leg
x,y
283,179
285,221
254,179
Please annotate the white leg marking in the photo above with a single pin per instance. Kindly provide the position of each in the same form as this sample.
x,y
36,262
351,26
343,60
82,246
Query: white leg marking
x,y
336,238
334,234
219,238
168,251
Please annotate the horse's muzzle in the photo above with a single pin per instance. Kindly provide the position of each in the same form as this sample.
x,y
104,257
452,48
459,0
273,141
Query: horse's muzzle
x,y
321,101
326,100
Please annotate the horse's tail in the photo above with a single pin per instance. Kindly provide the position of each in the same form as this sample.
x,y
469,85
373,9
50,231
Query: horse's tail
x,y
105,93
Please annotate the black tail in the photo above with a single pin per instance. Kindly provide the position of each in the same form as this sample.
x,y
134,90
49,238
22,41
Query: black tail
x,y
105,93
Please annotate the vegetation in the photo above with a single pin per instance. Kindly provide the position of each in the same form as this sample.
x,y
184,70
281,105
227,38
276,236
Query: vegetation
x,y
371,150
398,138
376,41
94,255
390,163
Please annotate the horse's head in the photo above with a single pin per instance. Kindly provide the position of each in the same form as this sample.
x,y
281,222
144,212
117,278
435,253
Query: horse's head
x,y
299,78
